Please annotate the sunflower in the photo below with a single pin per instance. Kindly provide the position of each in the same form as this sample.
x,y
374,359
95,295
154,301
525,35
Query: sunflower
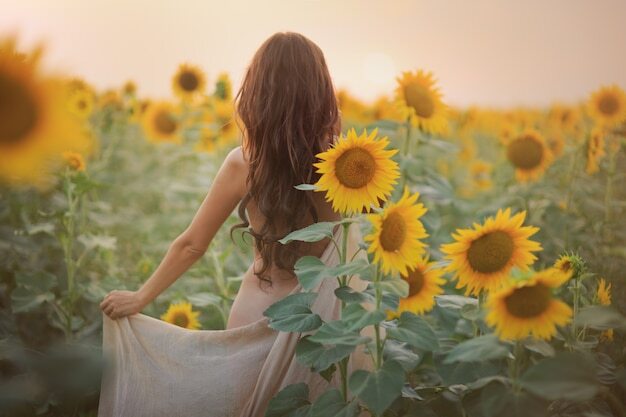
x,y
607,106
74,160
352,109
181,314
529,154
35,126
161,123
603,296
481,174
208,141
425,282
384,109
528,307
223,109
188,81
129,88
567,264
357,171
482,257
223,87
420,101
564,118
595,150
81,103
397,230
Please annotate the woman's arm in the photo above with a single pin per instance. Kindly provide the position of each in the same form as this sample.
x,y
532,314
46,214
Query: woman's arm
x,y
227,190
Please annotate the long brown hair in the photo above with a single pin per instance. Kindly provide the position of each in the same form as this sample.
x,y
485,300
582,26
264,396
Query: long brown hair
x,y
289,111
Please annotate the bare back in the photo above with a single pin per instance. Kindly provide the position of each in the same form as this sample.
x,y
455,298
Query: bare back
x,y
251,300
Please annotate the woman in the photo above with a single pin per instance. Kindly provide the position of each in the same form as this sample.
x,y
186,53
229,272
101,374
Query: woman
x,y
289,112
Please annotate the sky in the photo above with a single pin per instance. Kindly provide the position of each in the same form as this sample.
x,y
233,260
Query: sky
x,y
494,53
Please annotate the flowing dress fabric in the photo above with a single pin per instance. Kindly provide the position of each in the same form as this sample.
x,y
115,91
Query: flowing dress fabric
x,y
154,368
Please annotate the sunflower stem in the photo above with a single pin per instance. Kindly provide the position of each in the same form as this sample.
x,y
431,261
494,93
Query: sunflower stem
x,y
405,153
343,255
568,200
379,351
577,283
67,243
607,198
516,365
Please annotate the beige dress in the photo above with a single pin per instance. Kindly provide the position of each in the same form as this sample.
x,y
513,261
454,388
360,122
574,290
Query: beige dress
x,y
154,368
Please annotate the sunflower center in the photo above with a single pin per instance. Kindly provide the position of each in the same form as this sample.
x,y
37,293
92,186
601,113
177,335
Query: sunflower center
x,y
393,232
420,99
355,168
566,266
73,162
181,319
165,122
188,81
18,111
82,104
525,152
527,302
490,252
608,105
416,282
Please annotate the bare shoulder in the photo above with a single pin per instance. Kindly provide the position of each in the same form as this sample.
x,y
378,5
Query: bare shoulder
x,y
236,158
235,170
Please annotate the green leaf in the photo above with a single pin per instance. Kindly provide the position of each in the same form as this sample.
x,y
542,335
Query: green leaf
x,y
414,331
331,404
358,317
291,401
380,388
478,349
278,308
311,233
350,268
98,241
293,313
319,357
401,352
305,187
471,312
40,281
600,318
454,302
538,346
500,401
337,332
24,299
349,295
311,270
328,373
300,319
389,301
396,286
47,227
203,299
567,376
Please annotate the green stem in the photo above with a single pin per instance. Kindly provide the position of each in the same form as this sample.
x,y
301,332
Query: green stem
x,y
379,350
577,284
343,254
516,365
68,250
405,152
568,200
607,198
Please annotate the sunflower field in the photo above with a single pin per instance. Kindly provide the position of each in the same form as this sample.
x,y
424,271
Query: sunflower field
x,y
495,244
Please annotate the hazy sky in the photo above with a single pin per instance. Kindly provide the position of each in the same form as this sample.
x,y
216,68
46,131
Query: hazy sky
x,y
489,52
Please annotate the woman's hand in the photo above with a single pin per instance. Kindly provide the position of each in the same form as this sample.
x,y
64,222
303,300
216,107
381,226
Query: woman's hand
x,y
120,303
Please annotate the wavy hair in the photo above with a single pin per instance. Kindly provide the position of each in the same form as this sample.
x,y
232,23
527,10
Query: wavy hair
x,y
288,107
